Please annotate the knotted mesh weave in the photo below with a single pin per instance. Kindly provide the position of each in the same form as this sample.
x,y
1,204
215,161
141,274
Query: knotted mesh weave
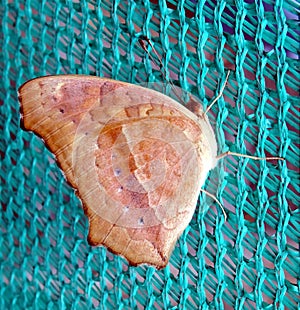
x,y
251,260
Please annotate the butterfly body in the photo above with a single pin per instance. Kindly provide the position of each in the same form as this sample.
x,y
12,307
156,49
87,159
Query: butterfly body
x,y
136,157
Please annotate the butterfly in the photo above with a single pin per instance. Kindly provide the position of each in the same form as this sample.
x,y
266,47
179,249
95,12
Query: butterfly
x,y
136,158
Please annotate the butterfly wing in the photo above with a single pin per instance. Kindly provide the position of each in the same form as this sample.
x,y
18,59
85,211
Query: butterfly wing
x,y
136,157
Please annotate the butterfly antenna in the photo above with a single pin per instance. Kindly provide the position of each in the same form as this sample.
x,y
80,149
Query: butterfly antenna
x,y
216,200
220,93
158,62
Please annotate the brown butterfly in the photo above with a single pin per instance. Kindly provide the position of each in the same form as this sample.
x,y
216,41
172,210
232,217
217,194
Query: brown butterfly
x,y
136,157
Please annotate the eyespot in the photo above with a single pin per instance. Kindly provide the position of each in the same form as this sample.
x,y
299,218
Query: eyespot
x,y
120,189
117,172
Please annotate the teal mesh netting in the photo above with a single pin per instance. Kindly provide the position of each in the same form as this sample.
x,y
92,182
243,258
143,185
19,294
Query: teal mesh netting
x,y
251,261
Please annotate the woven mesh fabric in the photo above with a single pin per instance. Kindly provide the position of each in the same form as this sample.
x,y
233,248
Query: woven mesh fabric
x,y
251,260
